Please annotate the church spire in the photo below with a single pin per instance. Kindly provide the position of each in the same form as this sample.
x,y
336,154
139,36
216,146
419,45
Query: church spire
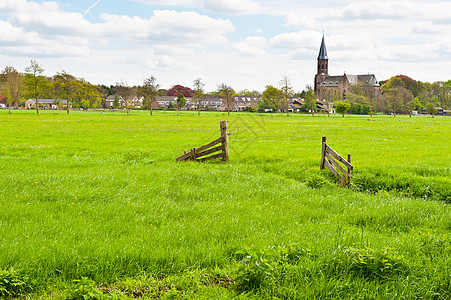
x,y
323,67
322,50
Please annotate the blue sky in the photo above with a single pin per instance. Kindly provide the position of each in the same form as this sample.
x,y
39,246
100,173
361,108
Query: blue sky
x,y
247,44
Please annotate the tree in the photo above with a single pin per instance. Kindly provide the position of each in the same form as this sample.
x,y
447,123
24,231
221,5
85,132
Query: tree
x,y
198,93
255,99
271,97
358,100
126,93
328,96
180,89
227,93
34,81
13,86
310,99
342,107
287,91
399,99
116,103
149,91
180,102
67,84
430,107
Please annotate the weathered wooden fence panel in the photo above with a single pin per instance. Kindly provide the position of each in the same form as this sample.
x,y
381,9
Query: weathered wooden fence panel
x,y
331,160
197,154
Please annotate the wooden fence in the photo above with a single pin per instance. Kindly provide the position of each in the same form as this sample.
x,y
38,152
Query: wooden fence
x,y
331,159
200,154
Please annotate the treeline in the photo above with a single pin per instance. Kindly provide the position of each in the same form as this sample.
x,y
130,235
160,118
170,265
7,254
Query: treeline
x,y
399,95
17,87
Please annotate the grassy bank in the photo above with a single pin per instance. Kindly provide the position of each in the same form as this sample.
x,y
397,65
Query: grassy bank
x,y
100,196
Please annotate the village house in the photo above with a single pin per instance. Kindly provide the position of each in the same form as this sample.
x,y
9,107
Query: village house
x,y
109,101
47,103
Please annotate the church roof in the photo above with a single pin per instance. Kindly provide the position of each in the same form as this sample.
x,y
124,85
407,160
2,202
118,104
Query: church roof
x,y
368,80
362,80
322,50
331,81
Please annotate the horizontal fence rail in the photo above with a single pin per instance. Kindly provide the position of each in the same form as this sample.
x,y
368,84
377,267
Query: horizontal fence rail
x,y
200,154
333,161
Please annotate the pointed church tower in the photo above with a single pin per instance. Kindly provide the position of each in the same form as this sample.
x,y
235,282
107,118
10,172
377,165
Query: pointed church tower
x,y
323,67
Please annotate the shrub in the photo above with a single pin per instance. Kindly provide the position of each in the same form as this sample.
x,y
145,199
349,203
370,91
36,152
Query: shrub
x,y
375,264
316,181
83,290
255,268
13,283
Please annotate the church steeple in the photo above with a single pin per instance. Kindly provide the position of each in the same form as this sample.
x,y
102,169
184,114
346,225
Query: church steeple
x,y
322,50
323,67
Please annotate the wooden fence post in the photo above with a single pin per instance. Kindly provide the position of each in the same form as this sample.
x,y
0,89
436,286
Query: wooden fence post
x,y
323,152
349,170
225,143
193,154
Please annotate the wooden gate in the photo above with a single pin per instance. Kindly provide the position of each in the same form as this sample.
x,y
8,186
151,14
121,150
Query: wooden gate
x,y
331,159
200,154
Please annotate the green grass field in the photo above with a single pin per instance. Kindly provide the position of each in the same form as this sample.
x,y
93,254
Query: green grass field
x,y
101,197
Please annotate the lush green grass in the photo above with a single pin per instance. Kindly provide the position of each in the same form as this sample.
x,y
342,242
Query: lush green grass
x,y
101,196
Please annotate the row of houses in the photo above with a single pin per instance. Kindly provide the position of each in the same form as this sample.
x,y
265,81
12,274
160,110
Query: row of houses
x,y
215,103
212,103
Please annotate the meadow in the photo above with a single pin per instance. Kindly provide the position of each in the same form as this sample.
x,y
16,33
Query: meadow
x,y
94,204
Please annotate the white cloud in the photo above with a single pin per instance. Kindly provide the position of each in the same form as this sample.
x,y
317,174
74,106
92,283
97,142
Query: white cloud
x,y
396,10
256,41
300,39
168,27
246,49
300,21
235,7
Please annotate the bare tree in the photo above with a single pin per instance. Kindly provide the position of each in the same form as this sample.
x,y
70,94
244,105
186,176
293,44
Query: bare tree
x,y
198,93
310,99
227,92
287,91
13,86
34,81
125,91
149,91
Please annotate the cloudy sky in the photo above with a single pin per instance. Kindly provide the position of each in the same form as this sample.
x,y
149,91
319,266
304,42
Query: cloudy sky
x,y
244,43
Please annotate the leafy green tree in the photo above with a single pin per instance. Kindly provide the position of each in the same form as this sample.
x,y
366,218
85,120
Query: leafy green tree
x,y
199,93
430,107
418,105
287,91
227,93
399,99
13,86
310,99
149,91
181,101
116,103
358,99
34,81
271,98
342,107
67,85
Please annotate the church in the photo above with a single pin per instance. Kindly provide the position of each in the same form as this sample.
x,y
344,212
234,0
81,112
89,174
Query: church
x,y
329,87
